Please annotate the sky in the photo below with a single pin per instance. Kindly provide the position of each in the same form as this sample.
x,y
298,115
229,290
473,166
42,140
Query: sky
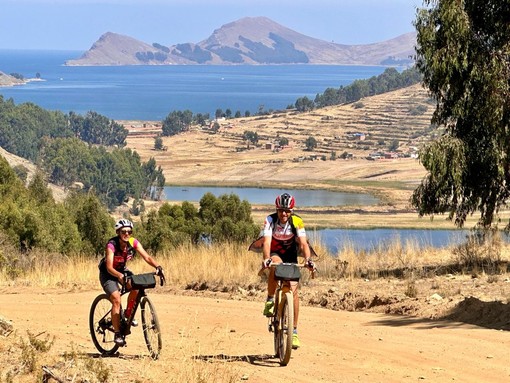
x,y
77,24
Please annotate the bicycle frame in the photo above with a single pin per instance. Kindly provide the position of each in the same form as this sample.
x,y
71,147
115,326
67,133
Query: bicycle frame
x,y
126,323
281,324
101,327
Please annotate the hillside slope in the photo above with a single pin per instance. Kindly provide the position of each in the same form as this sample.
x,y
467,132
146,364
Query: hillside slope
x,y
200,156
203,156
7,80
58,192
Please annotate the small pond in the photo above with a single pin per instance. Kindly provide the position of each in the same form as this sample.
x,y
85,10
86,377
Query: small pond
x,y
267,196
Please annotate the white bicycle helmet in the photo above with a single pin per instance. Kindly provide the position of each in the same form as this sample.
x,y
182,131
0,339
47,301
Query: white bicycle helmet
x,y
123,223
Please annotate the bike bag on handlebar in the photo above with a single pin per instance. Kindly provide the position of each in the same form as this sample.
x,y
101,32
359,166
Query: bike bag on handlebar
x,y
287,272
146,281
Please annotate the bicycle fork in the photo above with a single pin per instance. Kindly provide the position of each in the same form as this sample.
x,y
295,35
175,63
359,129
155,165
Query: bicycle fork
x,y
274,321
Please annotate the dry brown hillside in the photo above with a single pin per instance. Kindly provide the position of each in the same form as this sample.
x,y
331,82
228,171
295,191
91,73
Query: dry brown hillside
x,y
201,156
7,80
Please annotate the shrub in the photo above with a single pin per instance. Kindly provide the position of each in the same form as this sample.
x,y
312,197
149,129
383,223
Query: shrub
x,y
481,250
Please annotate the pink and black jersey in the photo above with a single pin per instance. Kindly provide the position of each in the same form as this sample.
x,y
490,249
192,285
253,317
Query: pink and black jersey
x,y
120,257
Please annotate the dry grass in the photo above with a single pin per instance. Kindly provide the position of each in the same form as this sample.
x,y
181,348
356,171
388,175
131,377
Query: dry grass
x,y
42,269
225,267
194,266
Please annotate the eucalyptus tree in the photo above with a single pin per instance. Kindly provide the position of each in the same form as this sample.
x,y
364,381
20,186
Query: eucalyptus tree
x,y
177,122
463,52
304,104
98,129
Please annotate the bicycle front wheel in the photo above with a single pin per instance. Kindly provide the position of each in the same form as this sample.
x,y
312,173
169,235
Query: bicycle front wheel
x,y
285,327
100,325
150,327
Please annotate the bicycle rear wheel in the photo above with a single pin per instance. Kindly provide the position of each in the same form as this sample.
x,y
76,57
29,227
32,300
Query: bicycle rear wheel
x,y
150,327
100,325
285,327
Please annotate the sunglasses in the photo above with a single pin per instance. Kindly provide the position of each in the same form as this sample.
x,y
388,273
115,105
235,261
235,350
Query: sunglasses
x,y
287,211
126,232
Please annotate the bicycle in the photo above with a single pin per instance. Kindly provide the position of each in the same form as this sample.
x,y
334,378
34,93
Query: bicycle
x,y
281,323
100,321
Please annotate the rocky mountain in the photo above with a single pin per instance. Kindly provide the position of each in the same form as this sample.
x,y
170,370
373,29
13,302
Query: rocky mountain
x,y
251,40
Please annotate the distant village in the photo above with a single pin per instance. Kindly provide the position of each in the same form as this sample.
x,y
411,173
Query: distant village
x,y
224,126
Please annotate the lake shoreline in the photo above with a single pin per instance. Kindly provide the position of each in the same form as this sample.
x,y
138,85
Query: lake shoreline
x,y
389,213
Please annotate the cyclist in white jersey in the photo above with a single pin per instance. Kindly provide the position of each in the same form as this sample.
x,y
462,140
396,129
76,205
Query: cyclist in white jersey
x,y
284,237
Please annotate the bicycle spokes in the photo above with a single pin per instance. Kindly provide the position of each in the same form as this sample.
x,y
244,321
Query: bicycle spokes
x,y
100,325
150,327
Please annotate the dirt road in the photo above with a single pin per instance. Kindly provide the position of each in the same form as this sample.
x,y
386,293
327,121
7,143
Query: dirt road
x,y
218,340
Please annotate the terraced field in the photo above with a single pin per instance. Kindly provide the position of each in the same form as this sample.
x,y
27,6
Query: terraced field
x,y
202,156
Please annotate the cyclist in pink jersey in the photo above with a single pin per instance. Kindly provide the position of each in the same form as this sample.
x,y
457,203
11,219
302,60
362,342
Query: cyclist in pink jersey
x,y
113,271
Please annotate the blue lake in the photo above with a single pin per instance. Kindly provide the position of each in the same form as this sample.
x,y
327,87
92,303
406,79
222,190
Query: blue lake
x,y
152,92
367,240
267,196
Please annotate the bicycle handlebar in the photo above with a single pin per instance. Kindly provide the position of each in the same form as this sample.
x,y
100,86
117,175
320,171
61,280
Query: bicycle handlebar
x,y
128,278
274,264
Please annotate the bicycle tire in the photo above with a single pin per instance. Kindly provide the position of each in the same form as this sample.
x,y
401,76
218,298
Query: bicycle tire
x,y
286,326
100,325
150,327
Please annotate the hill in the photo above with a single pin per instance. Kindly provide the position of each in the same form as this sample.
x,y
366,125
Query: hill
x,y
364,130
7,80
203,156
251,40
58,192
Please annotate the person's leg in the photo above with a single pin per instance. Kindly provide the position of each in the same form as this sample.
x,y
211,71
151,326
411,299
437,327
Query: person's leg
x,y
294,288
111,288
271,288
115,299
295,292
271,282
